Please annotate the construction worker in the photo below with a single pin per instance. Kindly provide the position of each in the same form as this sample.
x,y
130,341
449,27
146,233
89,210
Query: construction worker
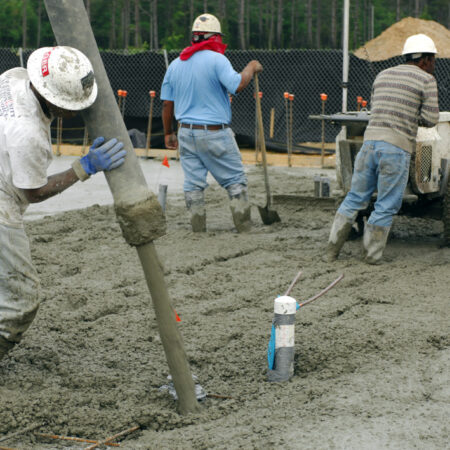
x,y
58,82
196,88
403,97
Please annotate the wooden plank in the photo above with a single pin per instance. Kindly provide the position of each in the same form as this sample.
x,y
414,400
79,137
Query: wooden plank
x,y
248,156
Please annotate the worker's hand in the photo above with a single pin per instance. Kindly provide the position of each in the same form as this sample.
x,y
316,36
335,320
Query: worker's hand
x,y
171,141
257,66
103,156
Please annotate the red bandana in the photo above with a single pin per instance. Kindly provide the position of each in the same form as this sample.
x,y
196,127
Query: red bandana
x,y
214,43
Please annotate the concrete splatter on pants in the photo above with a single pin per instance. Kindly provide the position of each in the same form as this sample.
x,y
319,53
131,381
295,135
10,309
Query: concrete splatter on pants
x,y
19,284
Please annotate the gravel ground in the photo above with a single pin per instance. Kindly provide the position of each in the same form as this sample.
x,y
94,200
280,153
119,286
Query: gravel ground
x,y
372,356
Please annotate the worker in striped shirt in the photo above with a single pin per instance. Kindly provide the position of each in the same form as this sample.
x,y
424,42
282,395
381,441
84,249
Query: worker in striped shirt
x,y
403,98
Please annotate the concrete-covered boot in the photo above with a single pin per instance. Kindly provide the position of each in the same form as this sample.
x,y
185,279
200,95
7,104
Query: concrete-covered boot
x,y
240,207
342,225
5,346
195,203
374,241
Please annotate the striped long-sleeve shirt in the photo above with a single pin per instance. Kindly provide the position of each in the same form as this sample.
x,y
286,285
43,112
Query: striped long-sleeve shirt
x,y
403,97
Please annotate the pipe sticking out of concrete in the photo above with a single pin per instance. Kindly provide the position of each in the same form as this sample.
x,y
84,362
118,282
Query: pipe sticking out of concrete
x,y
284,327
138,211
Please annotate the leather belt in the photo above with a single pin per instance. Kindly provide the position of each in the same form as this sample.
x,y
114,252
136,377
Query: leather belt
x,y
203,127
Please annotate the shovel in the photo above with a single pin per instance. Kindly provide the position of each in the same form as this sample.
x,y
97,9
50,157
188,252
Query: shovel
x,y
268,216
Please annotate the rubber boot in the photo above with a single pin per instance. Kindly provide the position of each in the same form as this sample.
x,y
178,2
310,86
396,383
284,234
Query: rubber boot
x,y
240,207
374,241
195,203
5,347
340,230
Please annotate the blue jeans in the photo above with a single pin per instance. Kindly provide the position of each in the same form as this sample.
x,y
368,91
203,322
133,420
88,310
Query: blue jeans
x,y
382,167
203,151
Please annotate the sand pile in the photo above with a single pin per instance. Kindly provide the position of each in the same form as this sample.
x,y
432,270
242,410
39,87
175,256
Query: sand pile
x,y
390,42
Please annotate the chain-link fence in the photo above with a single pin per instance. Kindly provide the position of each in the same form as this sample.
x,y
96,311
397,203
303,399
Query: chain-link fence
x,y
304,73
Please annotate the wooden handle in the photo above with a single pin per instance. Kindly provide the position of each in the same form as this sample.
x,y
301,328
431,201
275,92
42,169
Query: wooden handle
x,y
262,141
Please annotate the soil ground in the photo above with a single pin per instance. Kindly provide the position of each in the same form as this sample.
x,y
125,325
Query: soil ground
x,y
372,356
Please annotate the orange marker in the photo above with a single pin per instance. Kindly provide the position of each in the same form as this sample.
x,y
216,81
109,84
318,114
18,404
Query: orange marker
x,y
165,162
323,97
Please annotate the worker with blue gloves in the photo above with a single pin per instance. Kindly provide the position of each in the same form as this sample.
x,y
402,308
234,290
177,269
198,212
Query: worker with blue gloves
x,y
58,82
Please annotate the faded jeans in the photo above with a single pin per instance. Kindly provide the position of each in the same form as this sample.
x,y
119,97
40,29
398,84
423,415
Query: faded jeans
x,y
19,284
381,167
203,151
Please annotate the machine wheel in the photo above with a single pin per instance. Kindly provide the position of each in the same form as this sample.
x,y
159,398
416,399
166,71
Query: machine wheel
x,y
446,215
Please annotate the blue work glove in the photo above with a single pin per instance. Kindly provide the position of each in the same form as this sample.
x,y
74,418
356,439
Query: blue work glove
x,y
103,156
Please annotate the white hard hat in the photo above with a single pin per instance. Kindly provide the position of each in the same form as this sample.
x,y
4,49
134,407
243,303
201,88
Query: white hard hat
x,y
64,76
207,23
419,43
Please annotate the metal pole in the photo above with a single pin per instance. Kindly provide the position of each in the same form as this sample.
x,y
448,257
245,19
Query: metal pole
x,y
21,56
345,55
138,211
85,140
166,59
58,136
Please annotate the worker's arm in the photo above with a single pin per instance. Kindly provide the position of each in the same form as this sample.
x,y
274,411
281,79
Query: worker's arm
x,y
55,185
429,111
170,137
101,156
247,74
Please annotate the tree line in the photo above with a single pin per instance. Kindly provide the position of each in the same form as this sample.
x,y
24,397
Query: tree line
x,y
246,24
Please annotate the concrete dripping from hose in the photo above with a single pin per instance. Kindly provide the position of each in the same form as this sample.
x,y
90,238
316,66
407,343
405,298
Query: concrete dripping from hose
x,y
141,222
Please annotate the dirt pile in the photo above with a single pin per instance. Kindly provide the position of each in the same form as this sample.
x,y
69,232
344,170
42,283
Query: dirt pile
x,y
390,42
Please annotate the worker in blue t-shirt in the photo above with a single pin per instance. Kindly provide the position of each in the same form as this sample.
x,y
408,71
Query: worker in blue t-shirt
x,y
195,89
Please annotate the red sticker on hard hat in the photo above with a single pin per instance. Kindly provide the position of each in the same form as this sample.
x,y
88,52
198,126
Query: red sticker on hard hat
x,y
44,63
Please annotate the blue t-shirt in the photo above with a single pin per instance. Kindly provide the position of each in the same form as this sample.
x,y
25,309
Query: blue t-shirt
x,y
199,88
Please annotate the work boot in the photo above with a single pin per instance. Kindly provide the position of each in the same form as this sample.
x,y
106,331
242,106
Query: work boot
x,y
5,346
240,207
195,203
374,241
340,230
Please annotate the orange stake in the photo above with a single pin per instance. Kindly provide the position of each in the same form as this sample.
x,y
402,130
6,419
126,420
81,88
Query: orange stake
x,y
286,98
150,119
324,98
291,102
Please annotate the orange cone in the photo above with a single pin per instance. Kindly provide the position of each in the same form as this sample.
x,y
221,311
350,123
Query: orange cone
x,y
165,162
177,317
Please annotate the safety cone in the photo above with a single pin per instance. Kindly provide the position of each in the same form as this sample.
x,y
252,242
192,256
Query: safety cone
x,y
165,162
177,317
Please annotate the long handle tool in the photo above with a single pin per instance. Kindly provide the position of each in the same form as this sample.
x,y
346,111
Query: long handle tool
x,y
268,216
